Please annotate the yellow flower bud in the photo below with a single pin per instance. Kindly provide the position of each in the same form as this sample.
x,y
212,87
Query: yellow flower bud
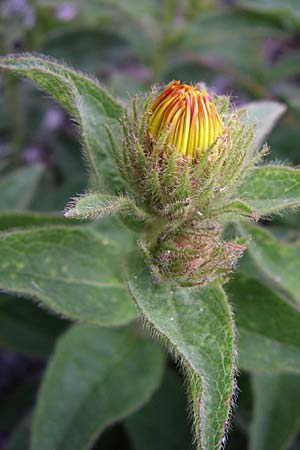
x,y
189,114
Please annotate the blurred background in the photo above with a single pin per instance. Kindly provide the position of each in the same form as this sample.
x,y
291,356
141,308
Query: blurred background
x,y
249,49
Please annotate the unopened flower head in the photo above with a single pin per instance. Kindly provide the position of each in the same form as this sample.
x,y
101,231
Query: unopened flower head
x,y
179,159
190,116
180,166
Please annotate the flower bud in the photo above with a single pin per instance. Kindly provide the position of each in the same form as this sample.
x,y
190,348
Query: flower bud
x,y
189,114
183,160
195,256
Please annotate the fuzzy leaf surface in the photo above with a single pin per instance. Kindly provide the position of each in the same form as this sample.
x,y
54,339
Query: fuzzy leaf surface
x,y
17,187
91,206
196,326
277,260
95,377
86,101
96,205
265,114
271,189
268,327
276,411
73,271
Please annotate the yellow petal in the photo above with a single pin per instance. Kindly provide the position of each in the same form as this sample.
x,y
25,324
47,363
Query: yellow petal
x,y
191,116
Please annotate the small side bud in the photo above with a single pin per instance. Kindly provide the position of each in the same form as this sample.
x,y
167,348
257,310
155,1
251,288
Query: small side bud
x,y
196,256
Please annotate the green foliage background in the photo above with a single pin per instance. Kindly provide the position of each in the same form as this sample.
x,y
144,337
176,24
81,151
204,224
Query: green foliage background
x,y
113,387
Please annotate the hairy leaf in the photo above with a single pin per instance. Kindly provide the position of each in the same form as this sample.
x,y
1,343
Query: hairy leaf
x,y
113,228
95,377
277,260
196,326
271,189
91,206
276,411
17,187
87,102
75,272
269,327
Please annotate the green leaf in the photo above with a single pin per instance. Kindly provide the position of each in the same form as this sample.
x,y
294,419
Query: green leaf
x,y
95,377
287,66
229,27
276,411
196,326
277,260
269,327
287,12
87,102
73,271
52,196
92,206
289,93
234,46
26,219
26,328
77,46
162,423
137,23
265,114
18,187
113,228
271,189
